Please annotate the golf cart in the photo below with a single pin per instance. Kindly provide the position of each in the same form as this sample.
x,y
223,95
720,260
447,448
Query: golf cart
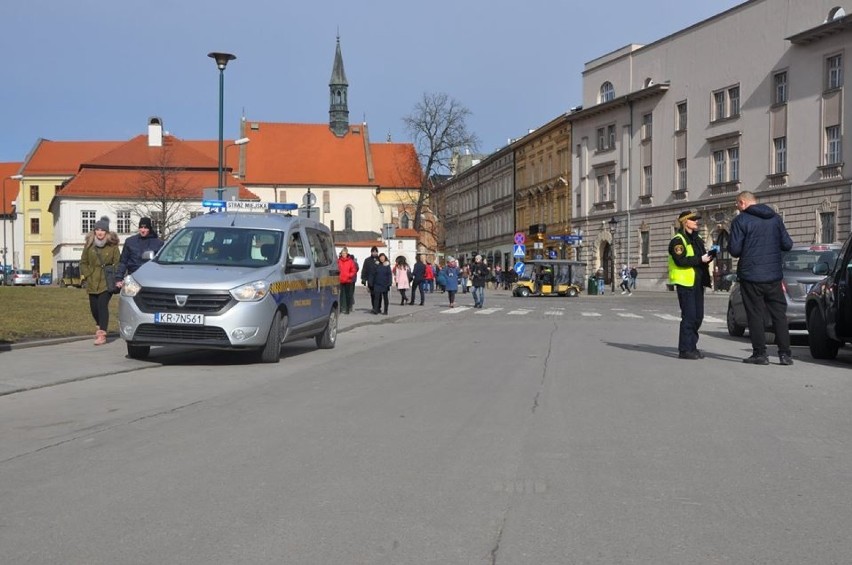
x,y
550,277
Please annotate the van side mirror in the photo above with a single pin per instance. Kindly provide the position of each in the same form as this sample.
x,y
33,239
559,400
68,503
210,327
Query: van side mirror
x,y
298,264
147,255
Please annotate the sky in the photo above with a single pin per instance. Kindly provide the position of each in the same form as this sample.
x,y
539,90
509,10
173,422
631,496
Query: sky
x,y
98,69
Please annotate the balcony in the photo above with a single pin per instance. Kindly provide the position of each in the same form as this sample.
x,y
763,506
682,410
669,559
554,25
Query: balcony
x,y
720,188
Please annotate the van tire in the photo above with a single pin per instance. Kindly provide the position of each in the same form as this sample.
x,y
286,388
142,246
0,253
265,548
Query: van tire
x,y
734,330
140,352
328,338
271,352
821,346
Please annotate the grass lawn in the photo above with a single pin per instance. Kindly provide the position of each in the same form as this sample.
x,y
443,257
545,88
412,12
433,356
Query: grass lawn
x,y
48,311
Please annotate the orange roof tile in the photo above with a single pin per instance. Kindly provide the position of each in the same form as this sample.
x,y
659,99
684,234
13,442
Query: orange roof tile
x,y
137,153
10,187
396,165
64,157
127,183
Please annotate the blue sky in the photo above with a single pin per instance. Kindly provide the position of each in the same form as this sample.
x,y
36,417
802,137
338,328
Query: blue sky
x,y
98,69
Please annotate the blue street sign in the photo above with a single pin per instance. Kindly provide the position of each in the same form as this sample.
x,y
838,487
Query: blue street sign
x,y
570,238
519,268
519,251
551,254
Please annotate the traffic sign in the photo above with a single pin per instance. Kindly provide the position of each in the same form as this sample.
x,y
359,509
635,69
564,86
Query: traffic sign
x,y
520,238
519,251
519,268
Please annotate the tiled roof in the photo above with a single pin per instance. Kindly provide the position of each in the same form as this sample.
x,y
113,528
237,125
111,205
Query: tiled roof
x,y
10,187
136,153
310,154
128,183
64,157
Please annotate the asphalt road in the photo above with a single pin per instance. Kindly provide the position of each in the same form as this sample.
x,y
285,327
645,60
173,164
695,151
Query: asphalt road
x,y
533,431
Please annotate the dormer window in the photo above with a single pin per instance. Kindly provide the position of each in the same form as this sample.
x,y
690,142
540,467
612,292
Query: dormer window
x,y
607,92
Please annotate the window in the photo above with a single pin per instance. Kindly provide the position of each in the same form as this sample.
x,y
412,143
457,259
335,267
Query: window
x,y
606,138
647,181
726,103
734,164
610,134
601,139
719,167
602,188
826,223
87,221
719,106
611,179
832,145
34,193
681,116
780,155
681,174
122,223
347,218
404,221
646,247
35,226
780,81
322,247
834,72
647,126
158,222
607,92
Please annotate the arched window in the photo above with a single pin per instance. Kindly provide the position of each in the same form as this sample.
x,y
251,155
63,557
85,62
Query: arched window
x,y
649,82
347,218
404,221
835,14
607,92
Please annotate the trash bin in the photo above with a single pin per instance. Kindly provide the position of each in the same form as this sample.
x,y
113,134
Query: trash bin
x,y
593,287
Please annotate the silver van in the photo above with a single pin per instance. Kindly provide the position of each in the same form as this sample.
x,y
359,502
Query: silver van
x,y
235,280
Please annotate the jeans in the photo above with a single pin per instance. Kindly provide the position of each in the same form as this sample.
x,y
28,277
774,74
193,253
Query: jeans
x,y
691,300
760,299
347,297
478,296
415,286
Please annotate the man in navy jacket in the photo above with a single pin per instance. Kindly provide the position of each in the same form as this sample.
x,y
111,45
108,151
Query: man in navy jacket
x,y
135,246
759,239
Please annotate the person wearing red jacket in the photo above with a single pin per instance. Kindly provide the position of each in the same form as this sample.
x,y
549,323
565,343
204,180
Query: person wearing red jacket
x,y
348,271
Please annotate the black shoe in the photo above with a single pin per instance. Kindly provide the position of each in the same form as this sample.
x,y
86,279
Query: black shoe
x,y
385,313
700,354
786,359
374,311
689,355
756,359
421,304
411,303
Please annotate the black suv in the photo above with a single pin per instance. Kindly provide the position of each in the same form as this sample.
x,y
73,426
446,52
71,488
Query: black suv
x,y
829,306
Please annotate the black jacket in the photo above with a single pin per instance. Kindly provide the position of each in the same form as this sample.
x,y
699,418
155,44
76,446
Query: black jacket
x,y
134,247
370,264
381,279
759,239
419,271
479,273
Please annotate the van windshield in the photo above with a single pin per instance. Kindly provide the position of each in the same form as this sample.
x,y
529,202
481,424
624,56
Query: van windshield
x,y
224,247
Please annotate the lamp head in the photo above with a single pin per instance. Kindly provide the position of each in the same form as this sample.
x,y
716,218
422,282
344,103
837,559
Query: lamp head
x,y
221,59
241,141
613,224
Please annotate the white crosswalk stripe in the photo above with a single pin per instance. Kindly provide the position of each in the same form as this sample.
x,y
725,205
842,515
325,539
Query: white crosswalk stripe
x,y
455,310
668,317
486,311
518,312
714,320
629,315
591,314
554,313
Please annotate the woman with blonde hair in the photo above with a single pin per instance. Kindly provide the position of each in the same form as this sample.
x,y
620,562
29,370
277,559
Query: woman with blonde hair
x,y
98,265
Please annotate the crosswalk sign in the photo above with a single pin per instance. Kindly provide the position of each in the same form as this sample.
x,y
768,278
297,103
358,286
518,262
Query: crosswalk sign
x,y
519,250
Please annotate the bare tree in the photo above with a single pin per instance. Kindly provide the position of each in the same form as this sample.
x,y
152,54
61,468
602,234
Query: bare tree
x,y
162,192
438,125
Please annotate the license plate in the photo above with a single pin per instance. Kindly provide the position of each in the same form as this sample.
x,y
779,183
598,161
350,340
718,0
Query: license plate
x,y
173,318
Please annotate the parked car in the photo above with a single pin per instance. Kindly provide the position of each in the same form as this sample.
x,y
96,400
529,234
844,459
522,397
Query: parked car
x,y
800,275
829,306
45,279
22,278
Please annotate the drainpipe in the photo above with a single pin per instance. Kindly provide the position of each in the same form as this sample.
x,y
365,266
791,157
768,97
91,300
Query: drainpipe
x,y
629,181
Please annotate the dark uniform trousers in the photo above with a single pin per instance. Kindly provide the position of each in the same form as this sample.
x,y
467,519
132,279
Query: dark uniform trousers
x,y
760,299
691,300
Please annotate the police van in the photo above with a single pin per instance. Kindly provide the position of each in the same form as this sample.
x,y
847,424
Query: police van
x,y
247,276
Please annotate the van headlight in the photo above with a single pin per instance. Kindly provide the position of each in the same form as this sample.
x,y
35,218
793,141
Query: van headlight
x,y
251,292
130,288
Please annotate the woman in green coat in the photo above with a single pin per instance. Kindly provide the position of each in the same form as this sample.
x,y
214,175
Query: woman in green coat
x,y
101,250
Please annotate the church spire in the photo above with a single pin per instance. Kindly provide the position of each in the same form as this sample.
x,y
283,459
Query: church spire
x,y
338,86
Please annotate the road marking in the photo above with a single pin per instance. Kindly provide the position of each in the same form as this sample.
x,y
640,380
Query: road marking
x,y
630,315
668,317
554,313
592,314
455,310
714,320
518,312
486,311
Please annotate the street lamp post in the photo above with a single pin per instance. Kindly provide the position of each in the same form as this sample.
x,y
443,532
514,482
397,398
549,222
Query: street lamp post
x,y
613,226
240,141
221,62
5,217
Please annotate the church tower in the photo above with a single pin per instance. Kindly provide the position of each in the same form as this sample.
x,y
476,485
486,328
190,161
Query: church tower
x,y
338,109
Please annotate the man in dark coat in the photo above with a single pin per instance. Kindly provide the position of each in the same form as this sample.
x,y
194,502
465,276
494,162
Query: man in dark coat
x,y
370,264
760,239
135,246
418,280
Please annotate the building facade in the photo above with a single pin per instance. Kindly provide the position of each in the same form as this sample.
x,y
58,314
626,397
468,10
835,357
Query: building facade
x,y
750,99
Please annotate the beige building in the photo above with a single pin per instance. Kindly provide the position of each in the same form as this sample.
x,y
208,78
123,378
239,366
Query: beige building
x,y
750,99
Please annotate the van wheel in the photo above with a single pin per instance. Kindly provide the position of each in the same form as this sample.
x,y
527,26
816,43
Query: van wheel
x,y
138,351
733,329
271,352
821,346
328,338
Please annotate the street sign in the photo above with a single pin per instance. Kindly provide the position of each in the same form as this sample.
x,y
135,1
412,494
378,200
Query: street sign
x,y
519,268
520,238
519,251
538,245
309,199
551,254
569,238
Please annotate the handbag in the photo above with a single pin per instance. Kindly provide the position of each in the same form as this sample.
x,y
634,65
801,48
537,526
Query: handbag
x,y
109,275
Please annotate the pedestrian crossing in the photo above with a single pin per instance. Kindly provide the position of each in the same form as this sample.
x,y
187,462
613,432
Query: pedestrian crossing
x,y
561,312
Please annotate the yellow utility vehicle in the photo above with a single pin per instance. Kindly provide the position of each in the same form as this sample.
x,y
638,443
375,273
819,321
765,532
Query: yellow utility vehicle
x,y
550,277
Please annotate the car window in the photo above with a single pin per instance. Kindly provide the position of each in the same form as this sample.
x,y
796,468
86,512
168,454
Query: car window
x,y
295,247
803,261
221,247
322,247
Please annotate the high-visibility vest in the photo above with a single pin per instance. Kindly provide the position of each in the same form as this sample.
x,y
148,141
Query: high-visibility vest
x,y
684,276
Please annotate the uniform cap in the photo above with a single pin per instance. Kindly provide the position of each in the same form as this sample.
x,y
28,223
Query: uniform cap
x,y
688,215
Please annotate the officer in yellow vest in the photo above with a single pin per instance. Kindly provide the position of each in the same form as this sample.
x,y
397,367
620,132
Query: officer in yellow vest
x,y
689,273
